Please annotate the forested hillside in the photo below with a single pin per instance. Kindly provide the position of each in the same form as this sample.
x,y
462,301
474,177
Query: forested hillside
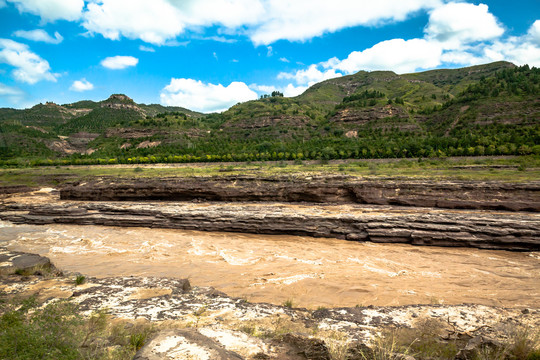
x,y
491,109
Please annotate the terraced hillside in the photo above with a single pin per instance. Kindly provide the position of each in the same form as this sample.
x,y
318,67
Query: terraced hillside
x,y
491,109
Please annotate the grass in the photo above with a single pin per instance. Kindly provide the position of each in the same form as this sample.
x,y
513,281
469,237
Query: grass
x,y
41,270
288,303
514,169
80,279
57,330
29,330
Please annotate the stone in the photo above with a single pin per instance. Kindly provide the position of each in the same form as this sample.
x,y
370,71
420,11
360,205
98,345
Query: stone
x,y
183,344
15,261
383,224
323,189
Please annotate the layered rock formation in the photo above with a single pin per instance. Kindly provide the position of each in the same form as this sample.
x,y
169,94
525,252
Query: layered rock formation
x,y
328,189
418,226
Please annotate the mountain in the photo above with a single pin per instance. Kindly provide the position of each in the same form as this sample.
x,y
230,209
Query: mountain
x,y
485,109
52,130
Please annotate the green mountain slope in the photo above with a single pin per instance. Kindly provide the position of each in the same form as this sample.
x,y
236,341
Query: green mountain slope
x,y
485,109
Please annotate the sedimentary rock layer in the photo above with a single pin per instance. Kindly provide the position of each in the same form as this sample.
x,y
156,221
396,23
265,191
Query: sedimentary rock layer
x,y
501,230
328,189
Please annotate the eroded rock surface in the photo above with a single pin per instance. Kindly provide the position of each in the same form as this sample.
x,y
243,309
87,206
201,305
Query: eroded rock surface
x,y
184,344
210,321
327,189
383,224
15,261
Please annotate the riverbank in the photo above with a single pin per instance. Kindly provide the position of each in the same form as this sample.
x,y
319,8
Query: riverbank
x,y
199,319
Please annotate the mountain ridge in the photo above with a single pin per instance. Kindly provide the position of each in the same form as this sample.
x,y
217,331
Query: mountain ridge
x,y
484,109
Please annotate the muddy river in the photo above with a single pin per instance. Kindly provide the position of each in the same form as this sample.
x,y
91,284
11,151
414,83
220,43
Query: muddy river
x,y
311,272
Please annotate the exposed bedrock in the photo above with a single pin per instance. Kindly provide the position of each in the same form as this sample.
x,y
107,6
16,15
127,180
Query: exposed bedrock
x,y
328,189
501,230
201,322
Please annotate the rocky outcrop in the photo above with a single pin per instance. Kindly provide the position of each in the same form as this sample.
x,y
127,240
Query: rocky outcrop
x,y
13,189
329,189
19,262
362,116
383,224
186,344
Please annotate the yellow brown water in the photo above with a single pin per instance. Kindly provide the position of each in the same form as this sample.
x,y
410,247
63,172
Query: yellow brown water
x,y
309,271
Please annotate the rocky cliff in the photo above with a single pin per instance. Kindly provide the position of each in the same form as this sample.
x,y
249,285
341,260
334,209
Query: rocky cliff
x,y
377,223
480,195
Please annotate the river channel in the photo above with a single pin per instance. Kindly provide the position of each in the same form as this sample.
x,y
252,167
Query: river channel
x,y
312,272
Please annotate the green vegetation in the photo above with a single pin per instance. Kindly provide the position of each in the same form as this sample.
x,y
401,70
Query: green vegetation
x,y
512,169
429,340
490,109
288,303
57,331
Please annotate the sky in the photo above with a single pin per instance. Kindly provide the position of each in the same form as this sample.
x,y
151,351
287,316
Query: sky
x,y
207,55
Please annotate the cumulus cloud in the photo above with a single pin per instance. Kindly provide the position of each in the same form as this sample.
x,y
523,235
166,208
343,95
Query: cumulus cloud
x,y
81,85
454,24
398,55
39,35
300,20
515,50
291,90
205,97
534,32
288,91
263,21
119,62
51,10
310,76
136,20
29,67
456,34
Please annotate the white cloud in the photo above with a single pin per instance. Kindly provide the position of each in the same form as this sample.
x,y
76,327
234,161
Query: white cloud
x,y
454,24
462,57
228,13
288,91
291,90
146,48
2,3
515,50
199,96
81,85
310,76
266,89
119,62
263,21
534,32
398,55
29,67
154,21
300,20
12,94
51,10
284,59
39,35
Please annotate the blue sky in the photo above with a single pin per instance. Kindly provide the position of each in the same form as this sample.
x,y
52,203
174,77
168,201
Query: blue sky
x,y
207,55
